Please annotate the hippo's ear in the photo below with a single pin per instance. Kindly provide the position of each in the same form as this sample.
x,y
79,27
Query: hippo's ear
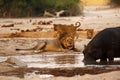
x,y
84,49
85,46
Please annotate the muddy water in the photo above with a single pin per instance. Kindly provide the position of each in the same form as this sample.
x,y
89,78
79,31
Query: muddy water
x,y
61,64
54,60
50,64
46,64
50,60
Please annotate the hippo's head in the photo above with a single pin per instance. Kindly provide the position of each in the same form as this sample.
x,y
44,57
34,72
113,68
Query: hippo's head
x,y
91,54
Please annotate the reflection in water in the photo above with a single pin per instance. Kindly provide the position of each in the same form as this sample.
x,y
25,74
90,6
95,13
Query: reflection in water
x,y
65,59
53,60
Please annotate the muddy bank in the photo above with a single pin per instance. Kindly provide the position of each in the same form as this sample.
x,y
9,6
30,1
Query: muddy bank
x,y
103,76
66,72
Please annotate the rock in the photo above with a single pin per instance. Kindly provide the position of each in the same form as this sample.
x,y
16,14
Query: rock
x,y
13,60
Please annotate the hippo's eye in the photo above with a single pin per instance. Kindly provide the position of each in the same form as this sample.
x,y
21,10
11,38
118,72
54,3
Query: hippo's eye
x,y
95,51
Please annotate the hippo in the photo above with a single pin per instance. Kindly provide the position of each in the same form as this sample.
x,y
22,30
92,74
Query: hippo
x,y
104,46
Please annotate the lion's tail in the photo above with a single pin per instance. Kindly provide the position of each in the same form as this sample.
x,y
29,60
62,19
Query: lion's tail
x,y
77,24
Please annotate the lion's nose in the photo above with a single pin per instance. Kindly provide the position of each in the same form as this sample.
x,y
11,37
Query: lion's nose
x,y
70,43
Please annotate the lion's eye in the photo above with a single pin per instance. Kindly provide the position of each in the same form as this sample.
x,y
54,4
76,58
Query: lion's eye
x,y
68,40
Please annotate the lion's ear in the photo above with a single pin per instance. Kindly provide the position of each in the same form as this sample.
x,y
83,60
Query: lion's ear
x,y
62,35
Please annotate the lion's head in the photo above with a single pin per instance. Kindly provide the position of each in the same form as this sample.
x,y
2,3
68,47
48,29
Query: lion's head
x,y
67,41
67,34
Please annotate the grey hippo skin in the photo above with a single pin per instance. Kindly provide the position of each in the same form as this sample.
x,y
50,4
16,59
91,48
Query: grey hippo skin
x,y
104,46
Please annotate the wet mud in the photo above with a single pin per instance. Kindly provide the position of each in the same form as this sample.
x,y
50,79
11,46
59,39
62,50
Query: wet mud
x,y
66,72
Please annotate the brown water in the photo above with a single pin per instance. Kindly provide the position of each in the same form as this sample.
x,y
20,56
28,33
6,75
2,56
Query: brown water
x,y
53,60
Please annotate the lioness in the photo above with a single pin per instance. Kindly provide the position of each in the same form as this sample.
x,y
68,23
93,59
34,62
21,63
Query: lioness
x,y
64,41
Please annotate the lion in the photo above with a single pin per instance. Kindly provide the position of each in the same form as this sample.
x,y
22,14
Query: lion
x,y
64,41
67,34
52,44
90,33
